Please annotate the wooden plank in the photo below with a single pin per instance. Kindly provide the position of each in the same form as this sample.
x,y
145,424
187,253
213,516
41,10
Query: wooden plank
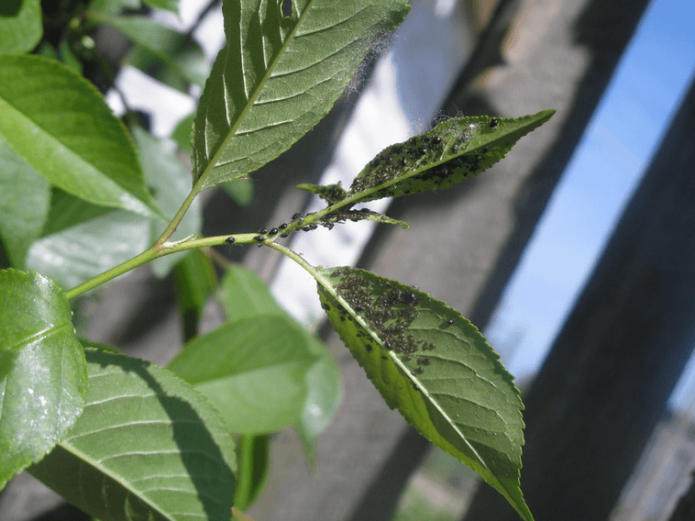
x,y
602,389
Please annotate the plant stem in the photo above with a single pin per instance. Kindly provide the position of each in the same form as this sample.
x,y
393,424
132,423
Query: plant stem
x,y
153,253
145,257
169,231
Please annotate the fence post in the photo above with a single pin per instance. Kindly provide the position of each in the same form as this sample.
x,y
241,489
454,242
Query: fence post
x,y
612,368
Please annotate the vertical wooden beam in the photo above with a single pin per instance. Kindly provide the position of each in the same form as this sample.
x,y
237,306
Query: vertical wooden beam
x,y
606,381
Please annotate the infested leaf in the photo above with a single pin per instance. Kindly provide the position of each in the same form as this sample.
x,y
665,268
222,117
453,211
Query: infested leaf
x,y
436,368
455,150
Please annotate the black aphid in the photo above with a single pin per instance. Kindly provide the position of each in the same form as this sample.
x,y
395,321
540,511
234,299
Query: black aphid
x,y
376,162
296,216
369,348
454,149
449,322
263,230
306,228
230,240
422,151
494,123
259,238
274,231
337,272
398,150
387,345
436,140
403,162
425,139
286,234
416,387
359,309
384,357
313,226
282,226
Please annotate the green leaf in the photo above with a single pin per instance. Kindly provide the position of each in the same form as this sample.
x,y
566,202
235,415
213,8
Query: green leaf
x,y
67,211
62,127
255,370
24,202
113,6
147,446
165,54
68,57
252,454
436,368
168,5
243,293
43,373
195,279
21,27
171,183
76,254
278,76
182,133
455,150
240,190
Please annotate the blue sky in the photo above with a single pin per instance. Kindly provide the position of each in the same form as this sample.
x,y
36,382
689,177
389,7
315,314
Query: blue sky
x,y
653,75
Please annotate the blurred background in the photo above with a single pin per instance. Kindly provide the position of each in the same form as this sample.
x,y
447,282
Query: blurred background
x,y
575,255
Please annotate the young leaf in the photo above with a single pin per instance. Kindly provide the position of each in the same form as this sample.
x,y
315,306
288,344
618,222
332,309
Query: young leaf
x,y
43,373
161,52
147,446
434,366
24,201
20,25
278,76
60,125
455,150
256,371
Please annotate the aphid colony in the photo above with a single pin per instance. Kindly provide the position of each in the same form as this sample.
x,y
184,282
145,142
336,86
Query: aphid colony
x,y
387,309
418,153
327,221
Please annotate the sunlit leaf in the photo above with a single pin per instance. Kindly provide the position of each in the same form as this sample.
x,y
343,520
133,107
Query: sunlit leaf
x,y
24,201
436,368
147,446
278,76
43,373
60,124
20,25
